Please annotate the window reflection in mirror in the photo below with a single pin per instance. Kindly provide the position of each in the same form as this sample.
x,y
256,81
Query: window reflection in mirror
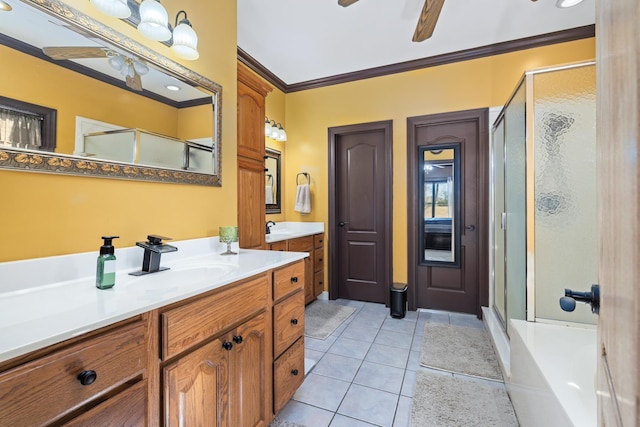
x,y
439,177
272,181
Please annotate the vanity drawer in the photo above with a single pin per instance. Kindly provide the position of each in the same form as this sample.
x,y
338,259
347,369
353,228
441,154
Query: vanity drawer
x,y
288,374
278,246
288,322
288,279
318,260
190,324
301,244
47,388
318,282
318,240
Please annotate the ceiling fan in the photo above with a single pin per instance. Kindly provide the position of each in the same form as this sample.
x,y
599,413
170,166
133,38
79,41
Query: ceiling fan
x,y
129,67
426,22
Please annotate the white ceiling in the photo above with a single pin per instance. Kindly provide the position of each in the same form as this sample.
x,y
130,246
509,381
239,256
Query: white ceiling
x,y
303,40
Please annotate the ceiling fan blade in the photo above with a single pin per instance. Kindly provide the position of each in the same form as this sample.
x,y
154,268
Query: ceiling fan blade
x,y
74,52
134,82
346,3
428,18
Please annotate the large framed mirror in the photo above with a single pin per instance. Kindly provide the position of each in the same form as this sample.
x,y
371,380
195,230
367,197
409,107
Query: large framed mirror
x,y
272,181
439,177
158,122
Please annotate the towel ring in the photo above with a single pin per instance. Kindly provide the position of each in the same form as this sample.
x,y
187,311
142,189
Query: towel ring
x,y
306,175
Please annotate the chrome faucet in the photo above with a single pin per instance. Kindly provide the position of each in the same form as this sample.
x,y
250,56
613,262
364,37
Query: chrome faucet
x,y
153,248
268,226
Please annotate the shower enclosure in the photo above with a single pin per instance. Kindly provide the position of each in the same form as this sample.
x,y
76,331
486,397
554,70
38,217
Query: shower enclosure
x,y
544,195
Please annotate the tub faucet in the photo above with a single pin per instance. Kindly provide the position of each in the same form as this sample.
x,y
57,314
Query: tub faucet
x,y
268,226
153,248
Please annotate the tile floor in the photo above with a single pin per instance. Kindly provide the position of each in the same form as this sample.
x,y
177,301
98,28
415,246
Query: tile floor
x,y
365,371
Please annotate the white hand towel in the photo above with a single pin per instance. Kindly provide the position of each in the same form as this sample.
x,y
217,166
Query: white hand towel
x,y
303,199
268,195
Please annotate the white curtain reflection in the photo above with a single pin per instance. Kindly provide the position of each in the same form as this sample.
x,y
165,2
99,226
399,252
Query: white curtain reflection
x,y
20,130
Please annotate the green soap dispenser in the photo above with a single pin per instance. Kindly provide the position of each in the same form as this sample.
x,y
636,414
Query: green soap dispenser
x,y
106,268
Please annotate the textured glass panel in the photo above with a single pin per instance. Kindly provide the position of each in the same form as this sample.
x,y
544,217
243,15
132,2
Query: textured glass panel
x,y
515,206
498,180
565,183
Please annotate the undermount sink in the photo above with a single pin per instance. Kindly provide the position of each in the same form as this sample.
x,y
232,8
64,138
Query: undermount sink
x,y
179,277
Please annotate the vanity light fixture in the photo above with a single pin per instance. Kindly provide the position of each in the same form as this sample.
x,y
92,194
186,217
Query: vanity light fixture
x,y
274,130
115,8
5,7
154,21
185,39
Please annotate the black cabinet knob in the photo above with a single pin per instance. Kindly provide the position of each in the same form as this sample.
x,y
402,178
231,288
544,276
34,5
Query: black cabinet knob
x,y
294,321
237,339
319,259
227,345
87,377
294,279
294,372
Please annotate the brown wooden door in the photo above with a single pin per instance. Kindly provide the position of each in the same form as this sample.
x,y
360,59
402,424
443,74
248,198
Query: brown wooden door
x,y
201,376
360,211
618,145
250,392
460,286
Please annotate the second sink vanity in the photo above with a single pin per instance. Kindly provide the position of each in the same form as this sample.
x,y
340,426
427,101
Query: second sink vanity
x,y
151,349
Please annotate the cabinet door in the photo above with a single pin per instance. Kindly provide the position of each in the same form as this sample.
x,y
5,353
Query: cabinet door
x,y
199,377
250,387
251,207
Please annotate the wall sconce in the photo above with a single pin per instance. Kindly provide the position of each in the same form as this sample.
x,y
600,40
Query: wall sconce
x,y
154,24
274,130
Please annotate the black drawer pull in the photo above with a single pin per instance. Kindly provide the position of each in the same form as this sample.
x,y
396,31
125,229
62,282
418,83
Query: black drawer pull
x,y
237,339
294,279
294,321
227,345
87,377
320,259
294,372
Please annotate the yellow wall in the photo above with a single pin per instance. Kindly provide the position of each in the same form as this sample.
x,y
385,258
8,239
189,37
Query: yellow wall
x,y
484,82
45,215
275,108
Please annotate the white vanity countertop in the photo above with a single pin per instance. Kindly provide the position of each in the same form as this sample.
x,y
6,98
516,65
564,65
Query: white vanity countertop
x,y
35,314
291,230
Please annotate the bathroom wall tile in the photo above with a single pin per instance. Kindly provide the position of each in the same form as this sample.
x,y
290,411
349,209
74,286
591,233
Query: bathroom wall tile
x,y
381,377
339,367
370,405
321,391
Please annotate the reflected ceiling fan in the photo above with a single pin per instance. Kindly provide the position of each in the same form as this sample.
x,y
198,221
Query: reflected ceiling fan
x,y
426,22
130,68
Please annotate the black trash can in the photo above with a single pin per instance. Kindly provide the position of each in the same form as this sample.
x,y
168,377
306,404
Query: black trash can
x,y
398,300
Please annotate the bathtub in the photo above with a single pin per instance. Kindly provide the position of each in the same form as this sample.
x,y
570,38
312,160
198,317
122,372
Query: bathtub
x,y
553,374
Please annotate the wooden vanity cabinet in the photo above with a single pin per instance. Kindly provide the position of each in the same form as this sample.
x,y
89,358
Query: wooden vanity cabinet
x,y
218,350
81,382
314,264
288,332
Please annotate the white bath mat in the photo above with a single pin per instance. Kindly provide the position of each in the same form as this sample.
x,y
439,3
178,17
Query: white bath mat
x,y
322,318
459,349
442,400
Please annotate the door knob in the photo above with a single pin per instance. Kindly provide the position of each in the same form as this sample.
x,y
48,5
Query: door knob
x,y
568,301
471,227
342,223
